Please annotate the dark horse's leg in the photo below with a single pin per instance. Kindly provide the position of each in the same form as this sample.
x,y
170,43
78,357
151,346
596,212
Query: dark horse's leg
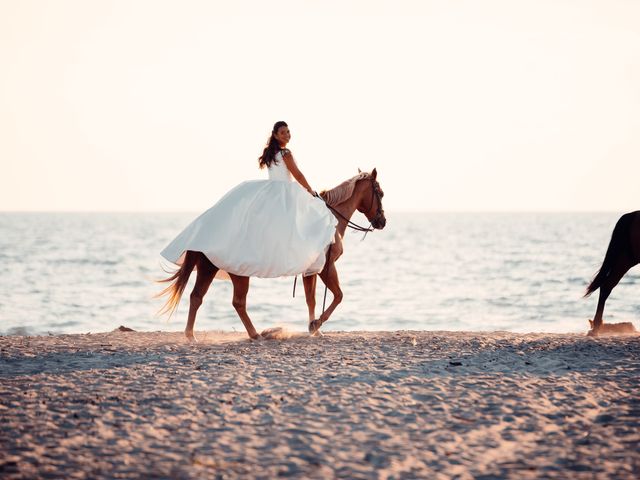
x,y
240,290
622,254
329,276
622,265
206,272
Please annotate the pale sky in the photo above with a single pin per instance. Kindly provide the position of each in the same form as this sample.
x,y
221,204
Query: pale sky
x,y
461,105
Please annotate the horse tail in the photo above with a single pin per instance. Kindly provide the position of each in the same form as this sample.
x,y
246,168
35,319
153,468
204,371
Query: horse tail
x,y
178,280
618,244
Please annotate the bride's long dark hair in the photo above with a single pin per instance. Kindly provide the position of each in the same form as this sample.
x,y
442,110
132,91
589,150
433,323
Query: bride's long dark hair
x,y
273,147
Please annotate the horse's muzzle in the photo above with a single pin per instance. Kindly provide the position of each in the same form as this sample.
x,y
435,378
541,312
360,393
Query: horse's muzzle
x,y
379,223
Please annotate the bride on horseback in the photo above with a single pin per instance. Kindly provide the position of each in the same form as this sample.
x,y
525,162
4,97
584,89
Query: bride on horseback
x,y
264,228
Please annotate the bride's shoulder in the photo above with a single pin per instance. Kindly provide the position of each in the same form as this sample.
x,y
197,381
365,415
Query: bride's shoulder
x,y
285,152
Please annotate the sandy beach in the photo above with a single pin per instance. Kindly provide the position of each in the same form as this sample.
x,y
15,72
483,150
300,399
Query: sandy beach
x,y
382,405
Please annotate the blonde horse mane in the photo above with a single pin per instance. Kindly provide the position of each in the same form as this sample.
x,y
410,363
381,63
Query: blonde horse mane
x,y
342,192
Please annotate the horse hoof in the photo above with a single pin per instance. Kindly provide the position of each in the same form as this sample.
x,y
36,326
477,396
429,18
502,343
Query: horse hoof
x,y
191,338
314,327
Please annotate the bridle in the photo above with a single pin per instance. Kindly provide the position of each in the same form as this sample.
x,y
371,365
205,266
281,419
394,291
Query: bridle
x,y
376,193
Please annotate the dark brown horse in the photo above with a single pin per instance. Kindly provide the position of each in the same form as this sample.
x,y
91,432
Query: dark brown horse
x,y
360,193
622,254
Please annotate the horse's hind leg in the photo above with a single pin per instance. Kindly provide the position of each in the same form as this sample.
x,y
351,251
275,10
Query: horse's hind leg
x,y
622,265
206,272
240,290
310,294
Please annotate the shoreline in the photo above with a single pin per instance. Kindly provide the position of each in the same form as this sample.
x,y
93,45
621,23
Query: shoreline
x,y
406,404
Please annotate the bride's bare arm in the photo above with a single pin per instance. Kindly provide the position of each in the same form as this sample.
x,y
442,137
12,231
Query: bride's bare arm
x,y
295,171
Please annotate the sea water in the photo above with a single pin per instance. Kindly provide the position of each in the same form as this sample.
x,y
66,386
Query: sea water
x,y
520,272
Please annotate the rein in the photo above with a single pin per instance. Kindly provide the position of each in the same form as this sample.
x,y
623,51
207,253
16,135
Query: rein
x,y
350,224
374,193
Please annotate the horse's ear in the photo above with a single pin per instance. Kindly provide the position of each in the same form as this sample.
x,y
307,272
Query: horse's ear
x,y
359,171
374,173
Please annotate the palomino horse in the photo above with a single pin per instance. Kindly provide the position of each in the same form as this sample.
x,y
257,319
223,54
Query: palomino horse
x,y
622,254
361,193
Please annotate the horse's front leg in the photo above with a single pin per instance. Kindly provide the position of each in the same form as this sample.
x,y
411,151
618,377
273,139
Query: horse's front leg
x,y
310,294
329,276
240,290
337,249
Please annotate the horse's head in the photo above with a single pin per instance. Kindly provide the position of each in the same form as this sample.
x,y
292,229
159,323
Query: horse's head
x,y
371,201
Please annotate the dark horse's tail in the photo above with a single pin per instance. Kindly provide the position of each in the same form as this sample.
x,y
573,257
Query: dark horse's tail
x,y
620,241
178,281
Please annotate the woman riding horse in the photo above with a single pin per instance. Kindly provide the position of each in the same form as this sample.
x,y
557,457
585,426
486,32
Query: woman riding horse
x,y
269,228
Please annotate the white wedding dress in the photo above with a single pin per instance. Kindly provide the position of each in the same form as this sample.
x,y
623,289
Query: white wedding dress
x,y
261,228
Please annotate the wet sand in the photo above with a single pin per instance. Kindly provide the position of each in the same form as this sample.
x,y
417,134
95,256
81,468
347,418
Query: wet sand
x,y
434,405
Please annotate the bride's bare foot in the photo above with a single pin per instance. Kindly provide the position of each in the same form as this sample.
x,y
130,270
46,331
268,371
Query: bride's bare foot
x,y
191,338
